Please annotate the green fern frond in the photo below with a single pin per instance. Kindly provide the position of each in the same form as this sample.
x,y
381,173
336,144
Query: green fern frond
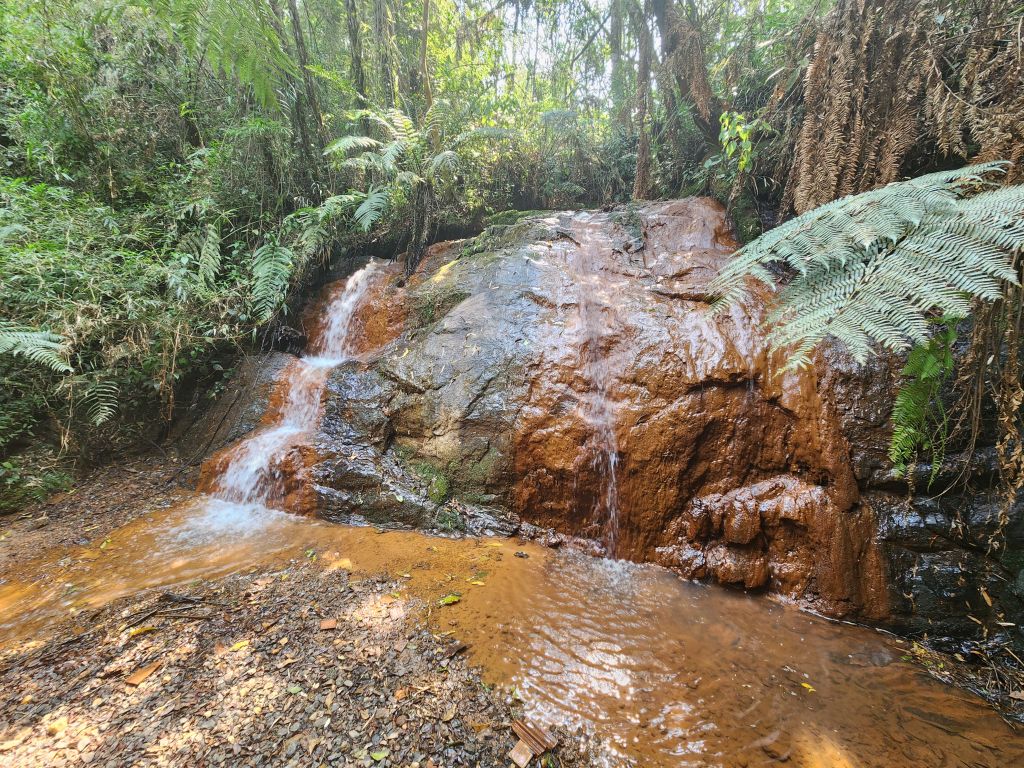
x,y
271,270
41,347
372,208
870,269
443,163
209,255
346,144
919,417
101,402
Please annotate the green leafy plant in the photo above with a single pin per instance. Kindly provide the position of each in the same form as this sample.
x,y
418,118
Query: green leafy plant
x,y
403,172
41,347
919,416
870,269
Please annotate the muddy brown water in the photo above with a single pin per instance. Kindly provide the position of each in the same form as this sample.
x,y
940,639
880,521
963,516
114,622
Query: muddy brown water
x,y
664,671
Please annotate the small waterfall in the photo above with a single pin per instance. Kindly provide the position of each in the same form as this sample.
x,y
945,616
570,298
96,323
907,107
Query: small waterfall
x,y
258,469
596,314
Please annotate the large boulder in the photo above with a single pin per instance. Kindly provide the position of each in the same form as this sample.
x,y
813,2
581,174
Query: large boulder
x,y
565,371
564,374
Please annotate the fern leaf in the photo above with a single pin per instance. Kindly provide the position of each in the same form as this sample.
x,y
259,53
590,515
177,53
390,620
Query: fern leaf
x,y
869,269
41,347
372,208
272,266
346,144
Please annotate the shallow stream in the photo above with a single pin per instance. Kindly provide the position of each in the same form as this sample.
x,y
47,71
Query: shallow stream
x,y
664,671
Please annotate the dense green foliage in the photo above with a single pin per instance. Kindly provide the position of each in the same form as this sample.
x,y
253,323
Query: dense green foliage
x,y
869,269
171,171
919,415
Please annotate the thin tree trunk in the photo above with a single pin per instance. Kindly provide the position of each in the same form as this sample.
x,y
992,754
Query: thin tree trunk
x,y
297,111
384,33
620,104
307,77
642,181
355,44
428,96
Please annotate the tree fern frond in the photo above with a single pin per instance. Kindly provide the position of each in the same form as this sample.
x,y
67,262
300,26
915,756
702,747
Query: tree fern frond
x,y
272,265
346,144
442,163
209,255
869,269
41,347
101,402
372,208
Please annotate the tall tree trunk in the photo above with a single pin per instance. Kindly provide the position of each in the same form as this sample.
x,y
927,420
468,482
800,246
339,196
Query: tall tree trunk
x,y
428,96
619,96
642,182
355,45
298,117
307,77
384,34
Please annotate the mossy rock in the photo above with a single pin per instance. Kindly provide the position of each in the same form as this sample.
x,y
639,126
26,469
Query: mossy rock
x,y
504,218
431,303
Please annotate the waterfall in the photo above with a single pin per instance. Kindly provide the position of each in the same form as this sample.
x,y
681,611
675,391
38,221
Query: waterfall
x,y
257,469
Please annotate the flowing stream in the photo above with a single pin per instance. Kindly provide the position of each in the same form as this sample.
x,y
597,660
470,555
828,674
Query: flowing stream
x,y
666,673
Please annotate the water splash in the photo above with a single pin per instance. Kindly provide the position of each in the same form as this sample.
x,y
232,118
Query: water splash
x,y
259,469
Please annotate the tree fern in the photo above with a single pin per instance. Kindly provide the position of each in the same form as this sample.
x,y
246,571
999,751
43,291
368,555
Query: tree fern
x,y
271,270
41,347
869,269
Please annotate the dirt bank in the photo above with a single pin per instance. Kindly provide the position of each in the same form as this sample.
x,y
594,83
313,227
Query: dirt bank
x,y
299,666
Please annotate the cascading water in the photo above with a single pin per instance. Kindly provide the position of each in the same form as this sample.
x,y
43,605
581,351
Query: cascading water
x,y
596,318
258,470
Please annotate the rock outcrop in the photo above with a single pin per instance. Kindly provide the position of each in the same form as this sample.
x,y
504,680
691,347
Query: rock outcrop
x,y
564,373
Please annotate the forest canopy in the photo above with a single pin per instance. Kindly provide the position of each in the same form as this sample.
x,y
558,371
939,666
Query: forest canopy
x,y
174,172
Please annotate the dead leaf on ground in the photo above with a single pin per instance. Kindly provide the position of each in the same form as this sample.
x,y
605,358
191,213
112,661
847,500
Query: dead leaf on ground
x,y
328,624
137,677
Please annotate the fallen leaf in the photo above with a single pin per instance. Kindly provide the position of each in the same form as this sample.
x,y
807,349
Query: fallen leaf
x,y
328,624
449,599
476,582
294,689
985,595
380,754
139,675
140,631
1018,695
239,645
810,688
449,714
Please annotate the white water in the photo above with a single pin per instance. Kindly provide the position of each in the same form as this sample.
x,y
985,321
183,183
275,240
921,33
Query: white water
x,y
257,467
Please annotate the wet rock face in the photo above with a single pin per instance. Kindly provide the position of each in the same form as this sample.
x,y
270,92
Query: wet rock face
x,y
530,365
563,374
